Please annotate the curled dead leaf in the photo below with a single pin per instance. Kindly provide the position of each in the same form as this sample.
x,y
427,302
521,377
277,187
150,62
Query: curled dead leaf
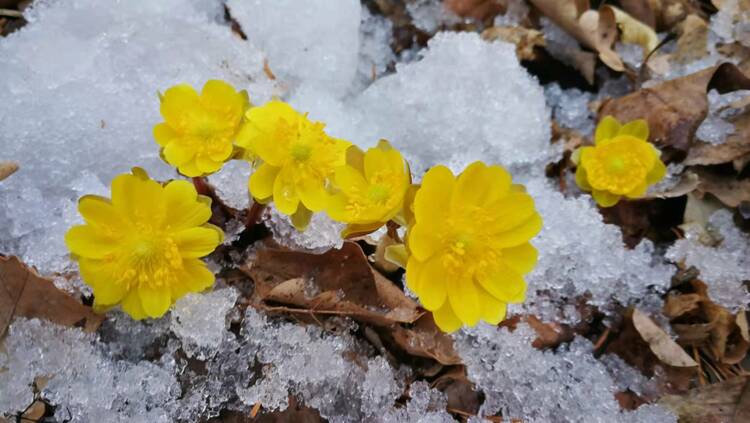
x,y
596,30
424,339
692,42
735,147
717,402
24,293
660,343
728,189
634,31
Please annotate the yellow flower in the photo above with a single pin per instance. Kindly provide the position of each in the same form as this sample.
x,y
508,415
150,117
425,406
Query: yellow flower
x,y
198,131
621,163
299,159
142,248
469,246
371,188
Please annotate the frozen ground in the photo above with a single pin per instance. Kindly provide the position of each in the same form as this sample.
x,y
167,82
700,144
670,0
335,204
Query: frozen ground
x,y
79,92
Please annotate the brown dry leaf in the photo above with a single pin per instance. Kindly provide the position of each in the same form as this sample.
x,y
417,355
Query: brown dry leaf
x,y
714,403
35,412
741,321
677,305
660,343
525,39
596,30
643,10
689,181
634,31
736,146
692,43
549,334
24,293
459,391
379,260
674,109
481,10
424,339
7,168
338,282
727,188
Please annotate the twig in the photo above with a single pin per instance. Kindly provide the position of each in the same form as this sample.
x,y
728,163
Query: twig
x,y
10,13
701,378
602,339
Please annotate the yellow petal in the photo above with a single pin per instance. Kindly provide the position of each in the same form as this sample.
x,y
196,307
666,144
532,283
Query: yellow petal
x,y
131,305
639,191
223,98
376,160
423,241
493,311
223,153
472,186
197,242
301,218
176,154
177,104
505,284
657,172
432,285
98,210
464,300
520,234
348,179
604,198
637,128
163,134
262,180
207,165
607,128
355,158
263,134
285,192
413,273
397,254
101,276
521,258
184,210
137,197
362,229
190,169
582,179
432,200
87,241
511,211
197,276
155,301
446,319
312,194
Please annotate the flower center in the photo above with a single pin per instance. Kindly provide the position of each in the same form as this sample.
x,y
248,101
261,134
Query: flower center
x,y
300,151
379,193
153,260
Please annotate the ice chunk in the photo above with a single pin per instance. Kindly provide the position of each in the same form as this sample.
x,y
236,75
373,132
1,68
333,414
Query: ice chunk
x,y
314,42
570,107
724,267
426,405
231,183
715,128
320,236
579,254
544,386
199,320
430,15
79,92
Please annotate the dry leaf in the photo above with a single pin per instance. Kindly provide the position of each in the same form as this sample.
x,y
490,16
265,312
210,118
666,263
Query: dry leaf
x,y
481,10
24,293
660,343
338,282
634,31
741,321
596,30
7,168
459,391
712,403
689,181
549,334
692,43
525,39
677,305
424,339
727,188
643,10
736,146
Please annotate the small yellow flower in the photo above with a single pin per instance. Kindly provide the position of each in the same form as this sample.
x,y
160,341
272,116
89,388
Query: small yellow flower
x,y
621,163
198,131
469,246
142,248
299,159
371,188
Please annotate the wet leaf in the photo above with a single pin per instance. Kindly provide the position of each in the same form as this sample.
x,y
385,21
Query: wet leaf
x,y
24,293
660,343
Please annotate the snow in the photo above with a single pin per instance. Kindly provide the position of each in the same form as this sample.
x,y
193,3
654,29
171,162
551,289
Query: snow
x,y
312,43
715,128
79,92
199,320
724,267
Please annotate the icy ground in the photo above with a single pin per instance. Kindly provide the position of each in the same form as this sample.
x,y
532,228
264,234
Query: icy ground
x,y
79,98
